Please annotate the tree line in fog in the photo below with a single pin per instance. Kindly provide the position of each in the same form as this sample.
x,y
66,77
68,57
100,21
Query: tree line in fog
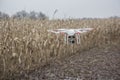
x,y
33,15
23,14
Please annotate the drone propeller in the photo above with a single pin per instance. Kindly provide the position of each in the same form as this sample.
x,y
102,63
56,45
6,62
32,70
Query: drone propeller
x,y
53,31
57,31
70,31
82,30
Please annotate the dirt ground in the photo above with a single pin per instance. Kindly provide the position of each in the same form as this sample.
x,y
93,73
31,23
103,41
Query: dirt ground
x,y
95,64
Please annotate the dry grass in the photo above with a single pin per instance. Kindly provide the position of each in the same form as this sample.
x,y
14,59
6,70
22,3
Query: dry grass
x,y
26,44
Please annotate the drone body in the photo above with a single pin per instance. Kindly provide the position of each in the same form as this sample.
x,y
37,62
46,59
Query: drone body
x,y
71,35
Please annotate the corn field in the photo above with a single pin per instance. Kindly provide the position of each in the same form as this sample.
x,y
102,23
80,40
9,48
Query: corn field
x,y
25,44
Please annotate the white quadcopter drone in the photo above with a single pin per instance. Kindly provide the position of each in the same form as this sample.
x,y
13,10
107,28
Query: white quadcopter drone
x,y
71,35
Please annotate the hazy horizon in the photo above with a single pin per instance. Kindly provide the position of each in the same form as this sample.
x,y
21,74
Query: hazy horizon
x,y
65,8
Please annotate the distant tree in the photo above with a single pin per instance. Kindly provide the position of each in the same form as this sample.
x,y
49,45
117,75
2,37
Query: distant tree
x,y
33,15
21,14
4,15
0,15
41,16
115,17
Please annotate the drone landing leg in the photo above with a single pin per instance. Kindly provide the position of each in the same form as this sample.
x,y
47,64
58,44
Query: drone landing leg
x,y
66,39
78,38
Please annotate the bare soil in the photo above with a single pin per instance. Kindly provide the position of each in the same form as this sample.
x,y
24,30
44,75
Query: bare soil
x,y
94,64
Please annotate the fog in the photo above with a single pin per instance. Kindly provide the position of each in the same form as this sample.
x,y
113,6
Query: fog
x,y
65,8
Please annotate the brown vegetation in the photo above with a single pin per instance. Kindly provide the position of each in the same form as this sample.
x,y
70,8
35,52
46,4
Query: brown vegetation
x,y
26,44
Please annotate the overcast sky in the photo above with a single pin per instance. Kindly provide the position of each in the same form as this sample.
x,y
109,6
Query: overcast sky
x,y
66,8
